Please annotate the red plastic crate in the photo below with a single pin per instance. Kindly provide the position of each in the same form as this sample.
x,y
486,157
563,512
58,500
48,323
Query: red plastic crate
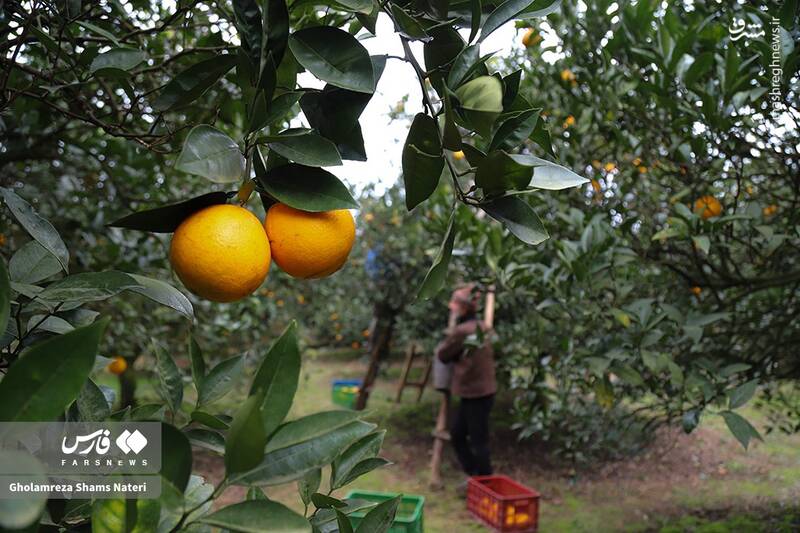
x,y
503,504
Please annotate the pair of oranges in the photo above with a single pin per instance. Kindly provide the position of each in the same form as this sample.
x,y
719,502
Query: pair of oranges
x,y
223,252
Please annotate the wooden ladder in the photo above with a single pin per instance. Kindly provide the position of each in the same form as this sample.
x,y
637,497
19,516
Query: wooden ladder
x,y
411,353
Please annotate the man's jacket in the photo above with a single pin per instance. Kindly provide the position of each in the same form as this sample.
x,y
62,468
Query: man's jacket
x,y
473,372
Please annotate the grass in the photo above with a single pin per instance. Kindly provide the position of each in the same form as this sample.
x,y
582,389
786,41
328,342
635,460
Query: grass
x,y
704,482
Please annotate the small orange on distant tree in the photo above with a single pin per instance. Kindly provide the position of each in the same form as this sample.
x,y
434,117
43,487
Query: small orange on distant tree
x,y
309,245
770,210
118,365
459,155
707,206
531,38
569,121
696,290
567,75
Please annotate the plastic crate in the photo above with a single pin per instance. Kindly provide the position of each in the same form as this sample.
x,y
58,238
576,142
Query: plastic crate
x,y
409,513
503,504
345,392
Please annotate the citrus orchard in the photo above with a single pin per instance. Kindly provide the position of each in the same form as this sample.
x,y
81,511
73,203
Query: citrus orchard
x,y
221,253
309,245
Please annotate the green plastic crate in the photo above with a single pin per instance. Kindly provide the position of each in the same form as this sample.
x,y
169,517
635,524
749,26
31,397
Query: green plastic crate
x,y
345,392
409,514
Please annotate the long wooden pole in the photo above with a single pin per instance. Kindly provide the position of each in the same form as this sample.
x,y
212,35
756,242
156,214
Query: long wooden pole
x,y
440,434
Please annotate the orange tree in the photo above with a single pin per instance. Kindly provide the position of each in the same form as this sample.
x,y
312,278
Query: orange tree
x,y
115,108
673,280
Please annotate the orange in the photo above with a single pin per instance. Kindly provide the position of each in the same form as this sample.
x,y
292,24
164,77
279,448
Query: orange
x,y
770,210
309,245
707,207
610,167
458,156
567,75
531,38
570,121
696,291
118,365
221,253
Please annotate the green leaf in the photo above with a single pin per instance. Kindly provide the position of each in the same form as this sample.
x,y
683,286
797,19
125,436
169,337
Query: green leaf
x,y
307,188
437,274
518,217
53,324
702,243
380,519
698,68
5,296
209,420
169,379
325,519
97,30
117,59
277,378
207,439
741,428
422,160
550,176
511,9
275,23
343,522
310,427
742,394
198,365
514,131
476,13
88,287
499,171
39,228
364,467
176,456
451,136
220,380
190,84
258,516
20,513
247,16
132,516
32,263
439,53
293,462
367,448
29,393
334,113
304,147
209,153
465,65
309,484
407,26
92,403
322,501
163,293
167,218
334,56
255,493
244,446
